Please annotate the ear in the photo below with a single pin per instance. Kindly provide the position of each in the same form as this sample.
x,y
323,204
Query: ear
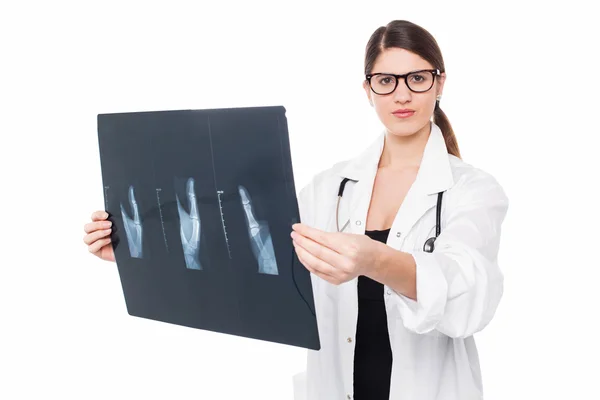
x,y
440,86
368,91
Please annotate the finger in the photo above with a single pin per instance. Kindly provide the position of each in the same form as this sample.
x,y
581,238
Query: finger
x,y
180,208
316,263
96,235
325,277
321,275
320,251
96,226
99,215
329,239
125,214
98,245
192,199
134,206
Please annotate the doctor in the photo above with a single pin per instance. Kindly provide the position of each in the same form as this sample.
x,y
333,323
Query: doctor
x,y
402,244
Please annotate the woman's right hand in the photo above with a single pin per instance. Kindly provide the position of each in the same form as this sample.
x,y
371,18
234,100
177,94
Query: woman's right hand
x,y
98,236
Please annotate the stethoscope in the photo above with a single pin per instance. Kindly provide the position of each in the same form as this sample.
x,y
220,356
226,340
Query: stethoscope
x,y
429,243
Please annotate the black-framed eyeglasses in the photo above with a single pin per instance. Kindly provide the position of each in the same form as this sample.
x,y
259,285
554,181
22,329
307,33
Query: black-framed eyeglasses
x,y
417,81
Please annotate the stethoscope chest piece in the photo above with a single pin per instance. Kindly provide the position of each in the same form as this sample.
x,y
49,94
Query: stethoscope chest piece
x,y
429,245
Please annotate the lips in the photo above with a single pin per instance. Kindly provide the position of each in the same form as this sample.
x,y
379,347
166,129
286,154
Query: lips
x,y
403,113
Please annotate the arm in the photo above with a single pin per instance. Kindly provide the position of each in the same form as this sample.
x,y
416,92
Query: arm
x,y
397,270
457,288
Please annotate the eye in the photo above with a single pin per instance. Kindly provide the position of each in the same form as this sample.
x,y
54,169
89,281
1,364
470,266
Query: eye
x,y
385,80
417,78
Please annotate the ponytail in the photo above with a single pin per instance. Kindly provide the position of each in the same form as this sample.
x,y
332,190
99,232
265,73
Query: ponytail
x,y
440,119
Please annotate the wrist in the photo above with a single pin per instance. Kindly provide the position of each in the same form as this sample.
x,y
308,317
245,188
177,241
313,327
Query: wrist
x,y
395,269
377,268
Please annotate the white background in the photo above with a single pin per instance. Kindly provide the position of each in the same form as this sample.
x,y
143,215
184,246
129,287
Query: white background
x,y
522,95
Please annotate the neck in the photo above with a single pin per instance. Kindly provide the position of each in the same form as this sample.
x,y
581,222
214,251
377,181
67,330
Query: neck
x,y
400,152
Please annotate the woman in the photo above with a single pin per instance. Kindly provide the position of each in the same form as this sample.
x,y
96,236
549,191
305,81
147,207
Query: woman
x,y
401,243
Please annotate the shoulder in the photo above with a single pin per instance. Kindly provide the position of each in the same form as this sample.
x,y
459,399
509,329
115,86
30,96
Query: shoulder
x,y
472,183
324,181
321,189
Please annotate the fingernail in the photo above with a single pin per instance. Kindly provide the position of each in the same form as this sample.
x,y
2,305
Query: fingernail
x,y
107,224
105,215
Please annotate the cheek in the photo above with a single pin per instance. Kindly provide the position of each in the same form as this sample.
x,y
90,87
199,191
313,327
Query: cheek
x,y
425,104
384,106
380,110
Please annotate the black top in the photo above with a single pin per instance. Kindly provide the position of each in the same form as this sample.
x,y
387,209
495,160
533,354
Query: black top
x,y
373,354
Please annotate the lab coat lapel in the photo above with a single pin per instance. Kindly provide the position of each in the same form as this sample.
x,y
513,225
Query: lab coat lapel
x,y
415,205
359,203
357,195
434,176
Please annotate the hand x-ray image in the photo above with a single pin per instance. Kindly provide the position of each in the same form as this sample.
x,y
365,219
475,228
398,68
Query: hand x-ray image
x,y
202,203
262,245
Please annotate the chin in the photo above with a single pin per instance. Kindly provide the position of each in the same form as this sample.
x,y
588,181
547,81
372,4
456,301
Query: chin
x,y
405,128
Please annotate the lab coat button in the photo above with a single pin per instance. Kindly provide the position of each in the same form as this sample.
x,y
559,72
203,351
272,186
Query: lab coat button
x,y
348,396
358,222
389,292
398,234
349,340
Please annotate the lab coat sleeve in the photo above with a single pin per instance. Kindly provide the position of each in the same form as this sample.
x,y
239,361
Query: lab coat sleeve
x,y
460,284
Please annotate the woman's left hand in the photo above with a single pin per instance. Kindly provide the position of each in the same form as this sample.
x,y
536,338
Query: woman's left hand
x,y
337,257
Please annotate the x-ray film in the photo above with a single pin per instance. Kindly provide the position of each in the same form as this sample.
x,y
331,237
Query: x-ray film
x,y
202,204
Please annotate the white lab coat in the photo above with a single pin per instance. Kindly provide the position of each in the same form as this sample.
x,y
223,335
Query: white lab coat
x,y
459,285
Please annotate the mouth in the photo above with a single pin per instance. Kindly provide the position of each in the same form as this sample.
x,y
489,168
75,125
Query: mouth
x,y
403,113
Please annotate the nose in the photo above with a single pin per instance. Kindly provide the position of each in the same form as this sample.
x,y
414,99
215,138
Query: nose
x,y
402,94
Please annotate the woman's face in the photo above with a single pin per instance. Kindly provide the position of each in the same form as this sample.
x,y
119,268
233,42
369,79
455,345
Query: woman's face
x,y
401,61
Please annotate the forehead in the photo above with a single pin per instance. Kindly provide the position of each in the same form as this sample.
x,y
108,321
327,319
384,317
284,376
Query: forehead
x,y
399,61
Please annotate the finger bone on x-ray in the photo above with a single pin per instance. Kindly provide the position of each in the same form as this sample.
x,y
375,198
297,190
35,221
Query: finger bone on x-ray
x,y
133,226
260,238
190,228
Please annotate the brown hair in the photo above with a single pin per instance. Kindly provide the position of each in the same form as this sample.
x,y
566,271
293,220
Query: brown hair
x,y
412,37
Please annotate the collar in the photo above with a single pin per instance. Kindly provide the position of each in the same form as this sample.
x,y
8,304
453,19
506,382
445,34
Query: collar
x,y
434,175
